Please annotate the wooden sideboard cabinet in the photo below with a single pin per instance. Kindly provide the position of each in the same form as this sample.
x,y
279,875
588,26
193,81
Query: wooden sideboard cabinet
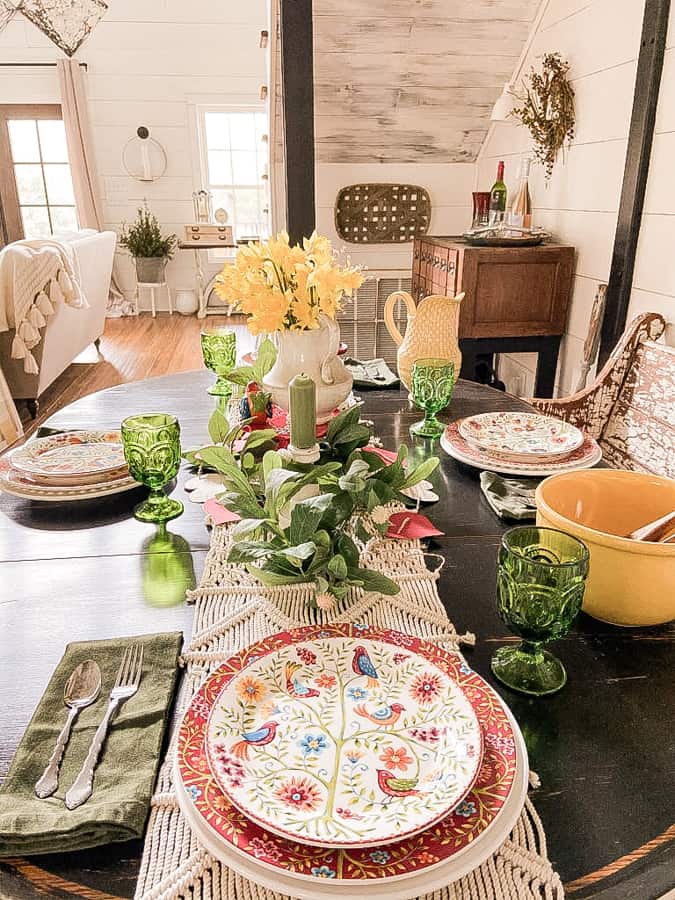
x,y
516,299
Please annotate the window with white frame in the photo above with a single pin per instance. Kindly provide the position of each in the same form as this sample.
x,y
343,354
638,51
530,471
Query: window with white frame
x,y
235,166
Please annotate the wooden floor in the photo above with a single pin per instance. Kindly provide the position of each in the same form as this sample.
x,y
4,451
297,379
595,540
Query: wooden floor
x,y
132,349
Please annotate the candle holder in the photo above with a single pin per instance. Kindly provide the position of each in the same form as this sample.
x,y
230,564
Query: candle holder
x,y
302,419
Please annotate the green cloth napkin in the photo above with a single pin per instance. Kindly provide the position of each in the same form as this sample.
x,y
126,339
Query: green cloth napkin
x,y
125,775
510,498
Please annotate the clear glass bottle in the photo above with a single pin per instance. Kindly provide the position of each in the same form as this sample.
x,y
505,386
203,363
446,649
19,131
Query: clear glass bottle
x,y
521,208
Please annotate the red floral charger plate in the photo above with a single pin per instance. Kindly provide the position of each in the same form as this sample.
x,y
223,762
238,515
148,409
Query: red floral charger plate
x,y
405,858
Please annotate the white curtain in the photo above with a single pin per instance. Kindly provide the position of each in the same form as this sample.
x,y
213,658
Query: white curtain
x,y
83,164
276,124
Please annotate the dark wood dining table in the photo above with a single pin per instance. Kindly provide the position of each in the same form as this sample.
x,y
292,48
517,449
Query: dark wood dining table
x,y
603,747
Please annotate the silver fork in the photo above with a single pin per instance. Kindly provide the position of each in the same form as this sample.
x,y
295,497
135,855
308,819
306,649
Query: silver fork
x,y
126,685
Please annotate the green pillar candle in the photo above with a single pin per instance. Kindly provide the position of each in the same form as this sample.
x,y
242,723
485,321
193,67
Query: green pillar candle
x,y
302,403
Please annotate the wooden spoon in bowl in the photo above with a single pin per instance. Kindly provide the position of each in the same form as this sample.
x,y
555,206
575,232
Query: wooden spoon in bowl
x,y
654,531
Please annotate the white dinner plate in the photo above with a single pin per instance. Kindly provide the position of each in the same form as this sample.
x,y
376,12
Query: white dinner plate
x,y
394,888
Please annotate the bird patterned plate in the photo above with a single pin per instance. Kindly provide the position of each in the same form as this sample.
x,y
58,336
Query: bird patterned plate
x,y
313,728
483,819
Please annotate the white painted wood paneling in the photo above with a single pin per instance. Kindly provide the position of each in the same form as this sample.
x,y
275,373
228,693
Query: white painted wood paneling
x,y
449,188
147,61
580,203
411,82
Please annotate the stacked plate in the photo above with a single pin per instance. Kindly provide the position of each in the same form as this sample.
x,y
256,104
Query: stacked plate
x,y
75,465
350,760
520,443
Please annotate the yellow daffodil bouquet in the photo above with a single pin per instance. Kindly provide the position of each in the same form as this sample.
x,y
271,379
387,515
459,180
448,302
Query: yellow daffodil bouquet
x,y
282,287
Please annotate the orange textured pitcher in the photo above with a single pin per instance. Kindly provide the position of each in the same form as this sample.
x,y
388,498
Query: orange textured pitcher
x,y
432,330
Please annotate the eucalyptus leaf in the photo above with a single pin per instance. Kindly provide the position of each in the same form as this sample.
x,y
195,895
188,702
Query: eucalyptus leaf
x,y
251,551
375,581
219,458
352,434
298,554
274,578
422,471
265,359
242,375
348,550
218,426
258,438
354,478
337,566
343,420
305,517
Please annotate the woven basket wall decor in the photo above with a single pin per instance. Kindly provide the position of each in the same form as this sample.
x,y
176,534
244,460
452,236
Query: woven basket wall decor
x,y
382,213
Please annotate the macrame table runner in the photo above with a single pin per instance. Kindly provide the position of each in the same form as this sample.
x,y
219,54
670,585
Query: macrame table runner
x,y
232,611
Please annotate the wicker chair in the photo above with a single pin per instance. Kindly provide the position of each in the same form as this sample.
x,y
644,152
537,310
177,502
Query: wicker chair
x,y
630,407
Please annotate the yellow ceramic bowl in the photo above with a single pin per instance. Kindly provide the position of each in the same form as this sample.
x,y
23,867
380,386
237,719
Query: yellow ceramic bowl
x,y
629,582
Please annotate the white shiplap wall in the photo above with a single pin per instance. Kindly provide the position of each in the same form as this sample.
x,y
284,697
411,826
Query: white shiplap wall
x,y
581,202
148,62
403,93
654,275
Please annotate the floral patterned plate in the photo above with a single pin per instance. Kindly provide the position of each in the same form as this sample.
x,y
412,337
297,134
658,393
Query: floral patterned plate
x,y
473,830
312,729
583,458
72,457
19,485
521,436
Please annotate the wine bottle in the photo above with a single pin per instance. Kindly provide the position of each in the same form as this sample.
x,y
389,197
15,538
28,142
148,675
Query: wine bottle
x,y
521,209
498,197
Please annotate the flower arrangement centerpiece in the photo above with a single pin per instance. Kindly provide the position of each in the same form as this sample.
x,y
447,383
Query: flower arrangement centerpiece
x,y
295,292
310,523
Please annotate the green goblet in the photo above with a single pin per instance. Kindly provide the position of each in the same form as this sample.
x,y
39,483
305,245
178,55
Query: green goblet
x,y
431,389
152,451
219,349
541,576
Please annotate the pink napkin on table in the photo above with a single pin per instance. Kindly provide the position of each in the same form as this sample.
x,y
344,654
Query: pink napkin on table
x,y
218,514
410,525
388,456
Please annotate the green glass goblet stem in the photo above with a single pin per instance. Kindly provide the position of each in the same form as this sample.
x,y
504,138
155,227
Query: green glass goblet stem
x,y
152,451
432,382
541,576
219,350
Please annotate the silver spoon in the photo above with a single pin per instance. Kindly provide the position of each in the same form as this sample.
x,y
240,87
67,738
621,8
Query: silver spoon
x,y
82,689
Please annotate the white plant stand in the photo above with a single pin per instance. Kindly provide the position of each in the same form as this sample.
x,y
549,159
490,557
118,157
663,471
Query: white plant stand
x,y
155,289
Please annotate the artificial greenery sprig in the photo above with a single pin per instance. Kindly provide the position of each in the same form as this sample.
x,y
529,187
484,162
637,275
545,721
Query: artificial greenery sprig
x,y
547,109
301,523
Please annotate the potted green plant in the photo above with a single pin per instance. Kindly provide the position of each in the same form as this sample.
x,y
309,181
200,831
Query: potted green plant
x,y
150,250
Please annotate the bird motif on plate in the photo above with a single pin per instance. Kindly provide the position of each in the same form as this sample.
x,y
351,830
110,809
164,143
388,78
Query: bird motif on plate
x,y
386,715
294,686
363,665
394,787
257,738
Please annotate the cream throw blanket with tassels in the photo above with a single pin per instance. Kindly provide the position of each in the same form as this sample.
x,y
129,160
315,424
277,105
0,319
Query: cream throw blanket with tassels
x,y
34,277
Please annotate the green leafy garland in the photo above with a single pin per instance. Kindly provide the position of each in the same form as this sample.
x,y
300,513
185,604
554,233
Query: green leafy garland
x,y
300,523
547,109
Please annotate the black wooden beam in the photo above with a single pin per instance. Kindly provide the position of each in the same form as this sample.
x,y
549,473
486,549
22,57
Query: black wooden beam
x,y
641,132
297,73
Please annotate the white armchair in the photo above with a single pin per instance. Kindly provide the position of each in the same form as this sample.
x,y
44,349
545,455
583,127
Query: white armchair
x,y
69,331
